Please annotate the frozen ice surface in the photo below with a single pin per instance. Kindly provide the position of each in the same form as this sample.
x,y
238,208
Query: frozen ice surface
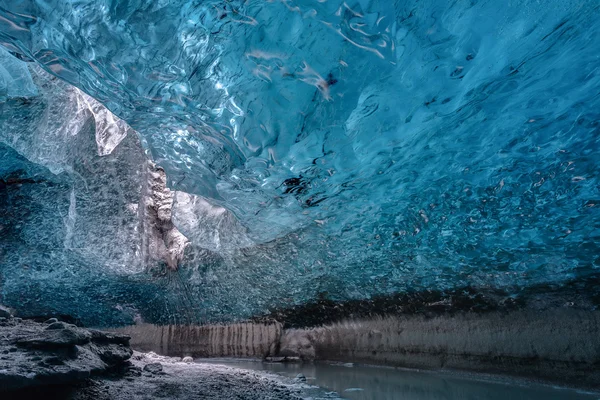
x,y
15,80
336,148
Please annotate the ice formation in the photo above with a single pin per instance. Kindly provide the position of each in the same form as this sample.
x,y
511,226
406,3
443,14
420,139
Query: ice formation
x,y
338,149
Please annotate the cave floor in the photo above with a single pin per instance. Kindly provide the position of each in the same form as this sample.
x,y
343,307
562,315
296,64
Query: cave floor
x,y
151,376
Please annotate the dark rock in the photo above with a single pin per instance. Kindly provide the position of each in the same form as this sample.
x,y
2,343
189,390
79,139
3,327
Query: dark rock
x,y
53,360
275,359
153,368
109,337
57,325
5,312
113,354
57,338
63,354
133,371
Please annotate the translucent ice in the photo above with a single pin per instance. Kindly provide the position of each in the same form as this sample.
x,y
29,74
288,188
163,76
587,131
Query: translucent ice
x,y
15,80
339,148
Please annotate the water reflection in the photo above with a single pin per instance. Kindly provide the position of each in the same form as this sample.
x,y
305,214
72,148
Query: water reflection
x,y
375,383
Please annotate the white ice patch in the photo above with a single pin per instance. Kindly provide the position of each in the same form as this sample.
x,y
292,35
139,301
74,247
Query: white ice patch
x,y
207,225
110,130
70,220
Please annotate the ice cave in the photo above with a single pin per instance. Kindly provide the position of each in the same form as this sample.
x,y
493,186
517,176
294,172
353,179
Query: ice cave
x,y
300,199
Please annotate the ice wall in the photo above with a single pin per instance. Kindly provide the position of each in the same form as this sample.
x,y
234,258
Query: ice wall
x,y
322,148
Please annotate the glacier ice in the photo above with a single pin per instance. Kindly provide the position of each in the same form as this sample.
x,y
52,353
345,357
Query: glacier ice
x,y
314,148
15,80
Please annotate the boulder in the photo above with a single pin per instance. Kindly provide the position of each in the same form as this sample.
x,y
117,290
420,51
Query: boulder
x,y
109,337
57,325
35,354
5,312
52,339
153,368
112,353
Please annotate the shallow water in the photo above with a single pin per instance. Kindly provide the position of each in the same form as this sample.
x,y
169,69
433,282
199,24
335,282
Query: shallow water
x,y
359,382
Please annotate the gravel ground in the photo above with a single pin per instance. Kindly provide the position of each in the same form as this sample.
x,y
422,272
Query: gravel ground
x,y
156,377
179,380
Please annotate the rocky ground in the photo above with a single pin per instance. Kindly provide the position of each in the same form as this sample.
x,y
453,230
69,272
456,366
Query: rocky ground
x,y
37,354
155,377
56,360
148,376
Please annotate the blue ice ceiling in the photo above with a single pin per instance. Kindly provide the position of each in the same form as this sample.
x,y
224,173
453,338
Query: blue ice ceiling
x,y
314,148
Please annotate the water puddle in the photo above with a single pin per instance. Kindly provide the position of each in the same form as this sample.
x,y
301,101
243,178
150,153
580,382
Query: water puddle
x,y
360,382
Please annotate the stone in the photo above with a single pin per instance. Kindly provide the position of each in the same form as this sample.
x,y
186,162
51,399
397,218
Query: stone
x,y
109,337
57,325
113,353
133,371
153,368
57,338
5,312
53,360
35,354
283,359
188,360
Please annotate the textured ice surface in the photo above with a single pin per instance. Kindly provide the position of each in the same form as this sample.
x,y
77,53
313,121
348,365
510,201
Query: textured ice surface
x,y
339,148
15,80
